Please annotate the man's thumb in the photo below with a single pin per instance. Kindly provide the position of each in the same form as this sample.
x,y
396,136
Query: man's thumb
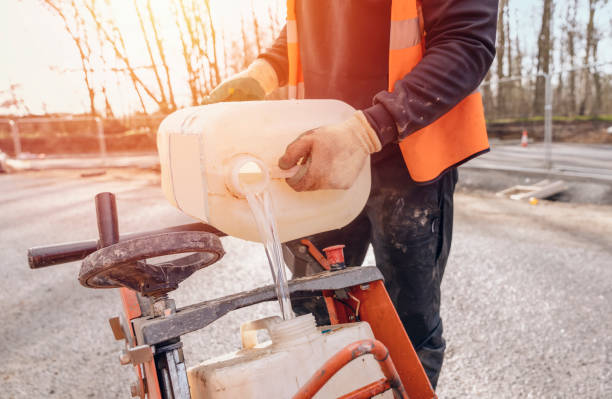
x,y
295,151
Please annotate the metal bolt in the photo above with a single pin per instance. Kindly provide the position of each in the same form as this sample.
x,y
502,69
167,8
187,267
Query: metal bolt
x,y
124,358
164,306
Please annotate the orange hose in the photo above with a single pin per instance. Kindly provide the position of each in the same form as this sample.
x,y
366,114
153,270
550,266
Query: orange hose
x,y
343,357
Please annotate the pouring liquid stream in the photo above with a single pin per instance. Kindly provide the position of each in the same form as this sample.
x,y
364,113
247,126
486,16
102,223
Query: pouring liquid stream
x,y
262,209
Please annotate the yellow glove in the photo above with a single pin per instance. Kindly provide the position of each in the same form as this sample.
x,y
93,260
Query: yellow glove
x,y
254,83
332,155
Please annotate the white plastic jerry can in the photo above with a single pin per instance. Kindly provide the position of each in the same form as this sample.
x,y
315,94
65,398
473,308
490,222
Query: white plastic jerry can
x,y
208,153
280,367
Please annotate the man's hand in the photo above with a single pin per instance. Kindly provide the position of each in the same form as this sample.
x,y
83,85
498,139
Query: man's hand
x,y
254,83
332,155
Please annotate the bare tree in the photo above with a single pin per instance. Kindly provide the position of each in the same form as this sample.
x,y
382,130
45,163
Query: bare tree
x,y
570,44
113,36
544,52
163,104
186,45
590,56
487,96
258,38
213,35
247,55
506,28
276,21
501,48
12,100
74,27
162,54
108,109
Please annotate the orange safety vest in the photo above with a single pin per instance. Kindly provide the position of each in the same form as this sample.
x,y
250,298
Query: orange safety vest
x,y
454,138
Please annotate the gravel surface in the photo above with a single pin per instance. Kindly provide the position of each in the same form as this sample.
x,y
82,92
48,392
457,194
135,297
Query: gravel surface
x,y
526,298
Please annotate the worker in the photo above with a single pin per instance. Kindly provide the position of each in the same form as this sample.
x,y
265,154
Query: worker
x,y
411,69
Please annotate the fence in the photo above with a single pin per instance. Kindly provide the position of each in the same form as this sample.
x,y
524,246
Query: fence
x,y
570,106
27,137
583,91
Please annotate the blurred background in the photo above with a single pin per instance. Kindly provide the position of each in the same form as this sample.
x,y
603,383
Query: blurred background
x,y
84,68
84,85
74,72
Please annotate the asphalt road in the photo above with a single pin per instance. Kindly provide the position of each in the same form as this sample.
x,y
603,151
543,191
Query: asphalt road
x,y
566,158
527,295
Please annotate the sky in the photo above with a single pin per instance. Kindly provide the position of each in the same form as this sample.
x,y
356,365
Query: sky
x,y
34,47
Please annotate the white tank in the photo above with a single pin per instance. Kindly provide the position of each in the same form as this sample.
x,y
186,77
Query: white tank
x,y
278,368
202,150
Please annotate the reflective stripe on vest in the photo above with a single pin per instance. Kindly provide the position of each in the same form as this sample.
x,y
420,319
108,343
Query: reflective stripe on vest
x,y
296,77
457,136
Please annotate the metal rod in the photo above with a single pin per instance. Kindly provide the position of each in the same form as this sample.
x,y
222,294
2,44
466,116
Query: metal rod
x,y
100,132
16,138
548,105
44,256
108,225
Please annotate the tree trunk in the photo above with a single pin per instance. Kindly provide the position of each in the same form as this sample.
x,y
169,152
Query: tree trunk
x,y
509,55
487,94
501,48
589,47
598,100
571,28
544,51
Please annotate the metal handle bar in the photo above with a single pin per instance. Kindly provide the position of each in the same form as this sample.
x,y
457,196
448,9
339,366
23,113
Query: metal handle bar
x,y
39,257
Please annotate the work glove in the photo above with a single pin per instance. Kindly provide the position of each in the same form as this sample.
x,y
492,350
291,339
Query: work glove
x,y
332,156
254,83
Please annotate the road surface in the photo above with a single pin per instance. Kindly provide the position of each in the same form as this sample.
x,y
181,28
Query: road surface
x,y
567,158
527,295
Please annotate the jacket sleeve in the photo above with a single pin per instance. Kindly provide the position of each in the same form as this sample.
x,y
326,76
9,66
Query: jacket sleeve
x,y
278,58
459,49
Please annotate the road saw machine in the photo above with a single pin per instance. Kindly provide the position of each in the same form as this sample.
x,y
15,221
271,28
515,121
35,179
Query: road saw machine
x,y
364,352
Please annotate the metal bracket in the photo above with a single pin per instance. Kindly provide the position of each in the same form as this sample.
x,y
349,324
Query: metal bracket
x,y
152,331
117,327
136,355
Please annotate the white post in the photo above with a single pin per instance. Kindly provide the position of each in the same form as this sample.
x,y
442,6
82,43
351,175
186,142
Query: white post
x,y
548,105
16,138
101,141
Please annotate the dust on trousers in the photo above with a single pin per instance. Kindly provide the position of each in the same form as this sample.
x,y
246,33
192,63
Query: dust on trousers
x,y
410,229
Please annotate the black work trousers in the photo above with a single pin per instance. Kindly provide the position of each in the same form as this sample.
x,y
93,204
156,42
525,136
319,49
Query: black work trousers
x,y
410,229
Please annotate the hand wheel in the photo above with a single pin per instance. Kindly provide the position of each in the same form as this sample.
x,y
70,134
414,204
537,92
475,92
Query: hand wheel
x,y
123,264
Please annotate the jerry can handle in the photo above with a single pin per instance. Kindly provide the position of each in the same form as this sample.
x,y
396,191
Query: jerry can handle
x,y
248,330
